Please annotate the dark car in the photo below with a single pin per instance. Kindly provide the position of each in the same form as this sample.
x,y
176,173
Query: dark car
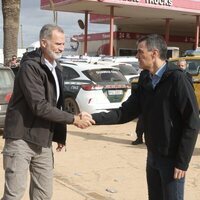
x,y
6,88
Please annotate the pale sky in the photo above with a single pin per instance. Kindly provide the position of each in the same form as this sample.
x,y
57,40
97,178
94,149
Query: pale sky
x,y
32,18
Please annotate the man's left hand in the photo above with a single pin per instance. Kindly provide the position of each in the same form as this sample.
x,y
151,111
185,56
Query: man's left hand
x,y
59,147
178,173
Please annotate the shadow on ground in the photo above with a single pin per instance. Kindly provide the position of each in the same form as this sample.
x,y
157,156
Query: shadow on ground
x,y
107,138
196,152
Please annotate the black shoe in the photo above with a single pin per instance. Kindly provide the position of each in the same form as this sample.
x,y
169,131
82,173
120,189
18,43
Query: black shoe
x,y
137,141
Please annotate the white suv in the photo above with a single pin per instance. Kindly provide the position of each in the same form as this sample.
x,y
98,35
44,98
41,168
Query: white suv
x,y
93,87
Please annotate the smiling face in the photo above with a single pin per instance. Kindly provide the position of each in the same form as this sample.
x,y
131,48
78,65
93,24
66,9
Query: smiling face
x,y
53,47
145,57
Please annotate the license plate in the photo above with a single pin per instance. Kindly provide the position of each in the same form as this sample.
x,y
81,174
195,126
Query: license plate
x,y
115,92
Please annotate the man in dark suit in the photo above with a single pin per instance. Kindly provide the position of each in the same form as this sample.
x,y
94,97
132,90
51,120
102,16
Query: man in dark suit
x,y
169,109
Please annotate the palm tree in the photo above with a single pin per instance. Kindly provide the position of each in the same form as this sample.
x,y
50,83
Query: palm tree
x,y
11,12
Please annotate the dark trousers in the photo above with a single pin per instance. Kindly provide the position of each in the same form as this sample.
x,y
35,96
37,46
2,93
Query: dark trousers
x,y
139,128
161,184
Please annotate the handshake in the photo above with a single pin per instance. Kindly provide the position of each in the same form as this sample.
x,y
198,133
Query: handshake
x,y
83,120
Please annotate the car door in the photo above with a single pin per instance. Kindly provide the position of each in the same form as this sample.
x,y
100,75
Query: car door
x,y
6,88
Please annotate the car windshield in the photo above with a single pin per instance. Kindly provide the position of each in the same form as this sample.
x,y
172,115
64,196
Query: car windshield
x,y
127,69
193,66
134,64
105,75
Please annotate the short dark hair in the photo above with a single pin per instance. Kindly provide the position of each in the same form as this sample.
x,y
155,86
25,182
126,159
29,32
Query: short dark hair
x,y
47,29
154,41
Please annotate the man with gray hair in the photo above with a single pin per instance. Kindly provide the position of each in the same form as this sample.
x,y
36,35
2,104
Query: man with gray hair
x,y
35,118
182,64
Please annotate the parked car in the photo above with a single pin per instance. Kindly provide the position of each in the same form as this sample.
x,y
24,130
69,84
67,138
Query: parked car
x,y
195,52
123,59
126,69
93,87
193,67
6,88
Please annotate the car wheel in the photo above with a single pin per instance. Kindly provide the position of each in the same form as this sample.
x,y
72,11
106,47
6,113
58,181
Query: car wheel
x,y
71,106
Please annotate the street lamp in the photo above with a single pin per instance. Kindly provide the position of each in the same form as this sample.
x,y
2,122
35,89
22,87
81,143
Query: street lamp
x,y
22,45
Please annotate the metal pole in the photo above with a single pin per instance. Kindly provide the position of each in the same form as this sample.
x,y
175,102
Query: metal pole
x,y
56,17
197,31
111,29
86,33
167,29
22,44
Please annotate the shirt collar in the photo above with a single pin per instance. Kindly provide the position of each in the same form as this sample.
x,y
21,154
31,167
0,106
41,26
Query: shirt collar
x,y
161,70
49,65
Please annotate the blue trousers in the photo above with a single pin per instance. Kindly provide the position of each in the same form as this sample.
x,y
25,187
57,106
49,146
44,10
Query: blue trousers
x,y
160,181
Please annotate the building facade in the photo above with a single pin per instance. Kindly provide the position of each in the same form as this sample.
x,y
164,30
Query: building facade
x,y
177,20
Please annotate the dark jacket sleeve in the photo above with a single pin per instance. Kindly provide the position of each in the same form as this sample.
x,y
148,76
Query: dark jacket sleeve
x,y
60,133
127,112
31,82
187,105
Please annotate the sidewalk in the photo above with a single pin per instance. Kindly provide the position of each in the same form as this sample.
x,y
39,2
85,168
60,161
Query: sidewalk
x,y
100,164
59,189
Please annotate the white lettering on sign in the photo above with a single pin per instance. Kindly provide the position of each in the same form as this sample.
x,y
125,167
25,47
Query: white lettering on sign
x,y
132,0
105,36
160,2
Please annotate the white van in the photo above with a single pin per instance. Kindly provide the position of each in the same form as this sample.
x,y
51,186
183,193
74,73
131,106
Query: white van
x,y
33,46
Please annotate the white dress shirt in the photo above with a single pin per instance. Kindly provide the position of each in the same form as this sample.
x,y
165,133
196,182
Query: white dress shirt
x,y
53,71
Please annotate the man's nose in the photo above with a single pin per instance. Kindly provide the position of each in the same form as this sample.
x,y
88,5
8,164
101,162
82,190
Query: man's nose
x,y
61,47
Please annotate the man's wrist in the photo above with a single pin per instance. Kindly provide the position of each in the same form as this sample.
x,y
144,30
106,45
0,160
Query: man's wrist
x,y
76,119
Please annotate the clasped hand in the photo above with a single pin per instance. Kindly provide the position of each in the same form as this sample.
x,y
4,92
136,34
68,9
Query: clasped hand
x,y
83,120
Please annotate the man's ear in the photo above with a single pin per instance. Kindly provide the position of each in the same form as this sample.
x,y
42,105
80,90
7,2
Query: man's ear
x,y
43,43
155,53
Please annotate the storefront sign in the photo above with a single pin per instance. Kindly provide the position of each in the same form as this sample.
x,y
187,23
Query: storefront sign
x,y
118,35
132,0
160,2
174,4
154,2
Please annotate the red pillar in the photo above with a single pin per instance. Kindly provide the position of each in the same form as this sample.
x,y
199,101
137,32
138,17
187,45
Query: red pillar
x,y
167,28
86,33
111,29
197,31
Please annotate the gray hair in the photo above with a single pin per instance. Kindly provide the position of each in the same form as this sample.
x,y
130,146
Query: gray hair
x,y
182,60
154,41
46,31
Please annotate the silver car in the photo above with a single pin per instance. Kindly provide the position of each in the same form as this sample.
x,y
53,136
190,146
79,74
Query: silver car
x,y
6,88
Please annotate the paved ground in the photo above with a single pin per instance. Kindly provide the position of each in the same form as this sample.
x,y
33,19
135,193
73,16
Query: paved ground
x,y
100,164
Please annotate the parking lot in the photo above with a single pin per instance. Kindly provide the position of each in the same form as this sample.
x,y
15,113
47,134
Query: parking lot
x,y
101,164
